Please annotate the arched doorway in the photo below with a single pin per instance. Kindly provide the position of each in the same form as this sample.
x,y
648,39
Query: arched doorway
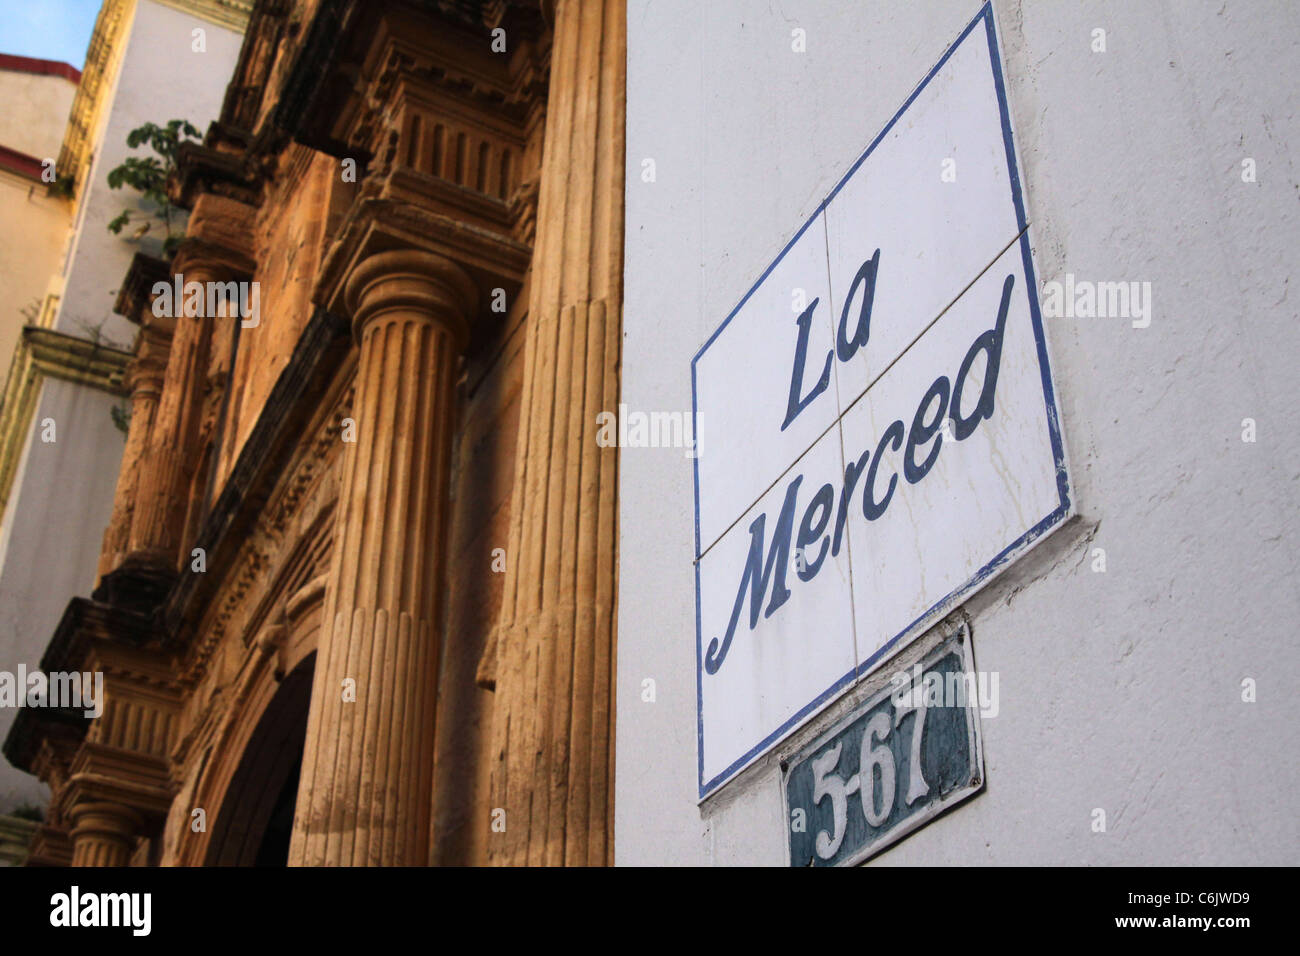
x,y
256,817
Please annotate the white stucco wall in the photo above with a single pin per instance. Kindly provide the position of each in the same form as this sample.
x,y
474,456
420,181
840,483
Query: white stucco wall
x,y
50,535
161,79
1119,690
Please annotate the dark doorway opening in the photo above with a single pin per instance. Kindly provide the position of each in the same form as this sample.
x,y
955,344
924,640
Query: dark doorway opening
x,y
255,821
274,848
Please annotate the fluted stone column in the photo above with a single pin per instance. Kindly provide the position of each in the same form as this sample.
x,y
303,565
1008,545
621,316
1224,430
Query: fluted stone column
x,y
365,793
103,834
553,731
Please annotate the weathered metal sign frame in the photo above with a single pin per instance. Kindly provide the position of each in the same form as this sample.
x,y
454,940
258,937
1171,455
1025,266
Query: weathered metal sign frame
x,y
957,642
1018,252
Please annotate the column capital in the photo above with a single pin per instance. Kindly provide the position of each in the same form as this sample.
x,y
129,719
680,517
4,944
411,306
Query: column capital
x,y
135,298
414,281
217,166
376,226
104,819
216,261
103,833
135,294
146,372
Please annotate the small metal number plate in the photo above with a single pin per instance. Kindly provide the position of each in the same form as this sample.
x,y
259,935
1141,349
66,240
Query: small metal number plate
x,y
906,754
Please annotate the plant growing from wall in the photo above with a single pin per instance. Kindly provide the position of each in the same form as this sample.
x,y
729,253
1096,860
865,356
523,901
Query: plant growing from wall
x,y
121,412
147,175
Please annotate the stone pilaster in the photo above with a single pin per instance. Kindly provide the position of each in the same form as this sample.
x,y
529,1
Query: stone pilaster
x,y
162,482
144,376
365,792
214,251
553,661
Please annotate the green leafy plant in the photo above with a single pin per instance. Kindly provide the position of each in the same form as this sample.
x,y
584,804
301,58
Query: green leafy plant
x,y
64,187
121,417
147,175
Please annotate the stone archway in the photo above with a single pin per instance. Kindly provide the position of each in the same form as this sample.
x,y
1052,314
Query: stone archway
x,y
255,819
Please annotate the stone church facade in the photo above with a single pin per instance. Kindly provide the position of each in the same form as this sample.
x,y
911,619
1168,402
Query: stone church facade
x,y
356,601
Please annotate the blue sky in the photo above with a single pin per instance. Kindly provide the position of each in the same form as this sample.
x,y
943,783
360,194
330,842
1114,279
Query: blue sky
x,y
49,29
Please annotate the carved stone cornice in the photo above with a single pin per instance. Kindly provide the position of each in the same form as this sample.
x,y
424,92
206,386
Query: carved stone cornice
x,y
128,778
135,295
42,741
85,622
418,87
75,359
109,766
378,225
135,585
244,94
202,169
119,755
93,92
342,33
231,14
320,351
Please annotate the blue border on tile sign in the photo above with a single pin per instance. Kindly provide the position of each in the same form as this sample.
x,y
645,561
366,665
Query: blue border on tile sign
x,y
985,17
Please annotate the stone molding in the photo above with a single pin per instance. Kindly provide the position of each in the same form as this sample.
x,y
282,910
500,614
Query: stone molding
x,y
44,353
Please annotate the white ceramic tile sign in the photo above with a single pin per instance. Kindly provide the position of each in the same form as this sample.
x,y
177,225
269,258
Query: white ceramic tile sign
x,y
877,427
